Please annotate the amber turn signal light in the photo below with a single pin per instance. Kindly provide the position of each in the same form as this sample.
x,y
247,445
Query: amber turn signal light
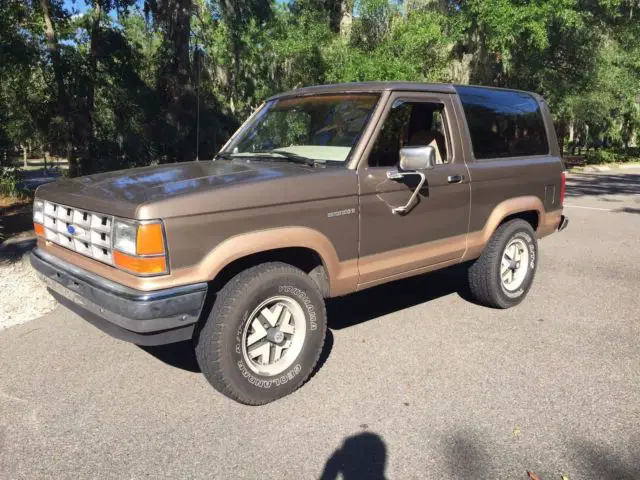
x,y
150,240
39,229
140,265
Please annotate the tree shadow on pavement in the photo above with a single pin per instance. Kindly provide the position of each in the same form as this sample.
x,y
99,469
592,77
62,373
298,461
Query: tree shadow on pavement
x,y
13,251
627,210
360,457
600,462
579,185
466,457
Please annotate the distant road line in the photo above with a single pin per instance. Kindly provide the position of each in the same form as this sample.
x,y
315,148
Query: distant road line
x,y
589,208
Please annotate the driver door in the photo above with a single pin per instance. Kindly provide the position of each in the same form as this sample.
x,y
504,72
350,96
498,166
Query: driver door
x,y
433,232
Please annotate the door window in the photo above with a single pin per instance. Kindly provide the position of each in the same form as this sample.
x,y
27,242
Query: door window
x,y
410,124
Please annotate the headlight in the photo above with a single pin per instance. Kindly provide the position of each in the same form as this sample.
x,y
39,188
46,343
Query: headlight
x,y
38,218
139,247
38,211
125,237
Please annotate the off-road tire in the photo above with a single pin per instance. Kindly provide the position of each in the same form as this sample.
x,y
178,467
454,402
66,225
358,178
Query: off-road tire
x,y
218,342
484,279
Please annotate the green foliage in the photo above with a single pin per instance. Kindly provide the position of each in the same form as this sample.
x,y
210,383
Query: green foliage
x,y
619,155
120,86
10,182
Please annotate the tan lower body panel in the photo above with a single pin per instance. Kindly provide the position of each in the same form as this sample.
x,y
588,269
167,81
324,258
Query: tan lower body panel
x,y
345,276
389,265
384,267
407,273
549,223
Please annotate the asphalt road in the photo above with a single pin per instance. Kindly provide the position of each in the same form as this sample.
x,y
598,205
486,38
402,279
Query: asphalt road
x,y
417,382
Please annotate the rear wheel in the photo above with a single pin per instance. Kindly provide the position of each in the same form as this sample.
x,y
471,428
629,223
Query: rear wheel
x,y
503,274
264,334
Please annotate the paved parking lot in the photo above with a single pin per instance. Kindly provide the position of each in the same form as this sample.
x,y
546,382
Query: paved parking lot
x,y
416,381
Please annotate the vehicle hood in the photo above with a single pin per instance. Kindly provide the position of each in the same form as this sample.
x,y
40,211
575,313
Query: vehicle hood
x,y
131,193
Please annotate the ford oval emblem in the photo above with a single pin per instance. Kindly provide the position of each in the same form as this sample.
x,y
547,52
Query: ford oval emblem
x,y
70,229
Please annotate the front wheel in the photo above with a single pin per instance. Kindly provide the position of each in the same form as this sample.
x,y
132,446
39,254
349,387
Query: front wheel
x,y
503,274
264,334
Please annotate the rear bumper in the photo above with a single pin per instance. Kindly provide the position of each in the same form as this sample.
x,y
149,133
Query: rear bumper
x,y
144,318
564,223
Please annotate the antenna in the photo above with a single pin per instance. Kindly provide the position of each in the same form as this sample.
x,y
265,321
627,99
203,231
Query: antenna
x,y
198,107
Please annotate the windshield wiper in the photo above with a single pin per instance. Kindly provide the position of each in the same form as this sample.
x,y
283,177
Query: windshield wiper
x,y
289,156
283,154
224,156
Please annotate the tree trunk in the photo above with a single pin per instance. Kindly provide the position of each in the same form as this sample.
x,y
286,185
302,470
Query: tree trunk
x,y
339,13
180,34
183,113
63,103
89,151
561,128
571,129
24,154
174,74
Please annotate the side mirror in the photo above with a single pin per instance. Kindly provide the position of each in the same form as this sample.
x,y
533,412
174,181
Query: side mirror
x,y
417,158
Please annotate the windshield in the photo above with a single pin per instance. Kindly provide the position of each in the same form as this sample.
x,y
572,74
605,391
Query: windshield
x,y
320,128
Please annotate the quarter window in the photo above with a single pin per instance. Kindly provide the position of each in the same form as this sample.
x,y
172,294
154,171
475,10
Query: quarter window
x,y
503,123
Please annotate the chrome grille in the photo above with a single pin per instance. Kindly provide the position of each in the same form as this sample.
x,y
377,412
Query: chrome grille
x,y
90,233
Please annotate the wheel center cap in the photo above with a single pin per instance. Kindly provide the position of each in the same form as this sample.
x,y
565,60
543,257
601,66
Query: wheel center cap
x,y
275,336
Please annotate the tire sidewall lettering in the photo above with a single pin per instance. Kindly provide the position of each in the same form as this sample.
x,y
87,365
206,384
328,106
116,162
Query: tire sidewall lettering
x,y
305,302
264,382
267,383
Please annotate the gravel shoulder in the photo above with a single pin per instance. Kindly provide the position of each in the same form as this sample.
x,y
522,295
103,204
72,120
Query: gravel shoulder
x,y
23,297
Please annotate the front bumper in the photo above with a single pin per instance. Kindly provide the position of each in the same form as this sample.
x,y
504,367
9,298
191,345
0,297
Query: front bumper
x,y
143,318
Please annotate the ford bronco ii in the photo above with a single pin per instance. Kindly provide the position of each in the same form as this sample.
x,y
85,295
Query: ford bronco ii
x,y
323,191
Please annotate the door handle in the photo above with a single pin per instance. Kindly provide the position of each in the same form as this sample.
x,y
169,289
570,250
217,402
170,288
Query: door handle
x,y
455,178
396,175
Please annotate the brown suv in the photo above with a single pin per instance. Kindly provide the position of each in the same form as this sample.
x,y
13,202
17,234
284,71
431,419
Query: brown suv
x,y
322,192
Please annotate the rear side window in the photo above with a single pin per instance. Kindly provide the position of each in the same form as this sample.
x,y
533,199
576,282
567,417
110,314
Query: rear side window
x,y
503,123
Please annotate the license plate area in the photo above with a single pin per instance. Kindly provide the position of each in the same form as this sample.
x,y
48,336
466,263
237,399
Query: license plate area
x,y
60,289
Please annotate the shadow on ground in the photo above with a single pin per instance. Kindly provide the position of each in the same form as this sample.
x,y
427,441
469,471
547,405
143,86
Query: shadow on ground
x,y
14,251
362,456
182,355
579,185
376,302
349,311
15,220
604,464
469,456
466,456
627,210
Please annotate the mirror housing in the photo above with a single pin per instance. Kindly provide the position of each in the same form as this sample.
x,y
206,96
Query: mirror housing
x,y
417,158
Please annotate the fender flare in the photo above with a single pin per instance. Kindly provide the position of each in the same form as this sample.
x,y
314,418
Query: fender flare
x,y
476,241
342,276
